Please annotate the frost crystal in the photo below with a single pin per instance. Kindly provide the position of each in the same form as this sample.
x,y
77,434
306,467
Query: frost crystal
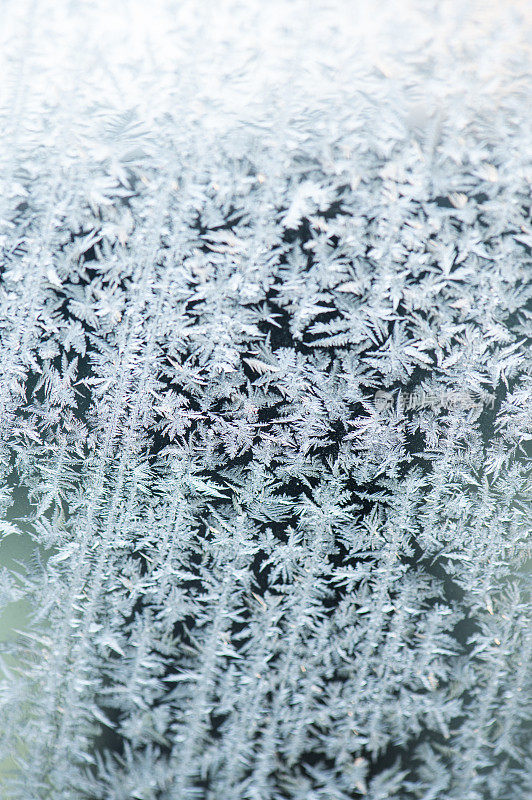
x,y
265,400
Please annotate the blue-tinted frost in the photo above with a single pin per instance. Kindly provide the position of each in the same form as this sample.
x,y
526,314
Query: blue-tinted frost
x,y
265,400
